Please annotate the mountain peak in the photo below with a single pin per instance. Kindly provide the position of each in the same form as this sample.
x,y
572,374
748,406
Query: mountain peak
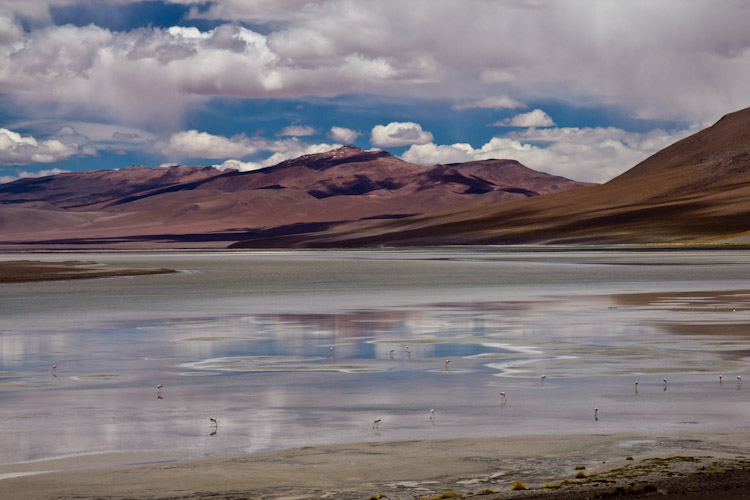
x,y
327,159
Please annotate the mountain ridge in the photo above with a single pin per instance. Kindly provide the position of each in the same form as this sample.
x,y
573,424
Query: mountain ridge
x,y
193,206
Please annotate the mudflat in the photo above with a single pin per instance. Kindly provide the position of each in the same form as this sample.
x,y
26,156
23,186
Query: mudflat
x,y
564,467
21,271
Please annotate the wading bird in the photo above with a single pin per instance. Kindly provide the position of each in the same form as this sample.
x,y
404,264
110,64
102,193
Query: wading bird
x,y
330,352
391,353
505,398
376,423
596,414
432,414
447,362
54,367
544,377
636,386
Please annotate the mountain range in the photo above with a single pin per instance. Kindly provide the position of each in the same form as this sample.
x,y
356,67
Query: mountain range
x,y
203,207
695,191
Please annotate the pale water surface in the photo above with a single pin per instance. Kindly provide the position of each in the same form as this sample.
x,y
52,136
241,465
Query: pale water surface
x,y
245,338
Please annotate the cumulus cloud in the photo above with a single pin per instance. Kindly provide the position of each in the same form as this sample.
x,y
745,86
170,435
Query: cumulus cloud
x,y
194,144
10,29
660,59
587,154
497,102
399,134
295,149
242,166
297,131
16,149
345,135
536,118
666,59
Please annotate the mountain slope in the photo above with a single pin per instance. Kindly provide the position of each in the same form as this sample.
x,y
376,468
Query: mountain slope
x,y
696,190
139,207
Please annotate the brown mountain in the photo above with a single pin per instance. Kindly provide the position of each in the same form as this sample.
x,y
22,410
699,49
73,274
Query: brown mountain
x,y
140,207
695,191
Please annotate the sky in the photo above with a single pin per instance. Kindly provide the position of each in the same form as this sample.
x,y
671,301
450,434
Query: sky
x,y
583,89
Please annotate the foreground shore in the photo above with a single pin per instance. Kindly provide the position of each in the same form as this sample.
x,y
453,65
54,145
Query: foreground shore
x,y
23,271
564,467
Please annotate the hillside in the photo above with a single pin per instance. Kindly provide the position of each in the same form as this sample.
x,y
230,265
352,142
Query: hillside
x,y
696,190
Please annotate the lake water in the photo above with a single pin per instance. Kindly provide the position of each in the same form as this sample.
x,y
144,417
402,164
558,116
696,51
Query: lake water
x,y
246,338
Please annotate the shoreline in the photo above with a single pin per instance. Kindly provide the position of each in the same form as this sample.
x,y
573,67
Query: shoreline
x,y
551,467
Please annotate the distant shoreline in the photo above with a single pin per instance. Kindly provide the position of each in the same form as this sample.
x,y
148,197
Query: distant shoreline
x,y
26,271
551,248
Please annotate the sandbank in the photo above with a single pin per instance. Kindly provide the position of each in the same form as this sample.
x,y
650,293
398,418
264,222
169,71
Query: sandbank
x,y
21,271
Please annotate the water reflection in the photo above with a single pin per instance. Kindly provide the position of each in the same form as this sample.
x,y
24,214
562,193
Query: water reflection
x,y
476,365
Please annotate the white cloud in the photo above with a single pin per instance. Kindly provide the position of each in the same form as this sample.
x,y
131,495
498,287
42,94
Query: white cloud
x,y
586,154
399,134
24,174
194,144
242,166
535,118
16,149
668,59
496,102
295,149
665,59
345,135
10,29
297,131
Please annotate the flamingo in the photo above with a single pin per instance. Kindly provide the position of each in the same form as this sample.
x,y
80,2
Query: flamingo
x,y
544,377
432,414
720,379
54,367
504,396
391,353
330,352
596,414
636,387
408,352
376,423
214,422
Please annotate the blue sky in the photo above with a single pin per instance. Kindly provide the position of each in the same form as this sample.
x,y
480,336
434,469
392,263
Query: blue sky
x,y
575,88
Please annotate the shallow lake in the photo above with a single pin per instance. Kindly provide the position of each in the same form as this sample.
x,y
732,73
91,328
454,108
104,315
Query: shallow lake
x,y
300,348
